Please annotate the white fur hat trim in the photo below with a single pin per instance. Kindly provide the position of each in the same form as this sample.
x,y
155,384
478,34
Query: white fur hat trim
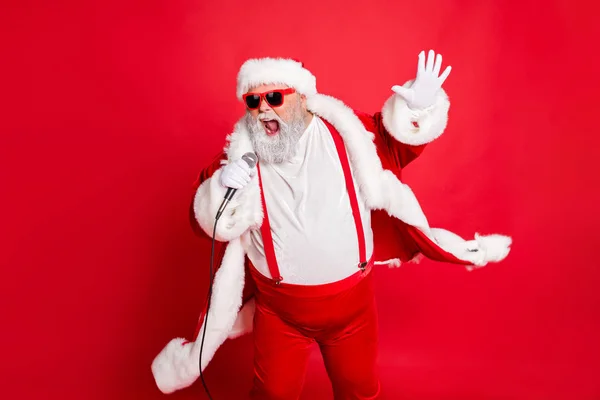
x,y
265,71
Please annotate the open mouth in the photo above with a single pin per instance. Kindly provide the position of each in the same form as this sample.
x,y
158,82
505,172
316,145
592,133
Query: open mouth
x,y
271,127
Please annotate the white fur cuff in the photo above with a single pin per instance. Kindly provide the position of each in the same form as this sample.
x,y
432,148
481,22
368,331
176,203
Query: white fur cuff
x,y
479,252
173,368
398,119
241,213
177,365
496,247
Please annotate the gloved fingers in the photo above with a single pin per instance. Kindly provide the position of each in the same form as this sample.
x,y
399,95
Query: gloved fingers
x,y
421,65
242,176
438,65
239,171
430,59
445,74
243,165
235,182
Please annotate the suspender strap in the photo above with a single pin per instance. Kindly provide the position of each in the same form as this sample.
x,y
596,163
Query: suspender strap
x,y
343,156
265,228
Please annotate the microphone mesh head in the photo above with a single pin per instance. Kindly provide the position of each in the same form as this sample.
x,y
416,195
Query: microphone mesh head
x,y
251,159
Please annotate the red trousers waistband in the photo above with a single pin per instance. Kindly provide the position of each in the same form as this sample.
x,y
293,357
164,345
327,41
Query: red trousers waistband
x,y
269,286
314,308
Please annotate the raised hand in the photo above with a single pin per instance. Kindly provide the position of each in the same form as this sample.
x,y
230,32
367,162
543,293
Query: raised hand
x,y
425,87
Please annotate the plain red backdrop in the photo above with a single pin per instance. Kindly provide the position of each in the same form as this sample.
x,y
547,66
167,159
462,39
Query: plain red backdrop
x,y
109,109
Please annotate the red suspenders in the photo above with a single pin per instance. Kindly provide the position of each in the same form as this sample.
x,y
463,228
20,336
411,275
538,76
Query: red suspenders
x,y
266,226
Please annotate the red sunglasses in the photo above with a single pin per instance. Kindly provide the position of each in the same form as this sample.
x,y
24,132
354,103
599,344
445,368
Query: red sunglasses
x,y
273,97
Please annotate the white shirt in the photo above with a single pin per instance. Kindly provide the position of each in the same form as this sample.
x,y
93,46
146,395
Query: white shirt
x,y
311,220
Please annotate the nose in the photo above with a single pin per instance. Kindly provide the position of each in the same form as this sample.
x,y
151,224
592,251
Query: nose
x,y
264,106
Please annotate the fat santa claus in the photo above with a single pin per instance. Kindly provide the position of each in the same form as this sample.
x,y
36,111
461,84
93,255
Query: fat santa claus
x,y
300,237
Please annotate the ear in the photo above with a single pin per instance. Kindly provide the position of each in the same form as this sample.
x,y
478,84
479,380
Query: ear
x,y
303,100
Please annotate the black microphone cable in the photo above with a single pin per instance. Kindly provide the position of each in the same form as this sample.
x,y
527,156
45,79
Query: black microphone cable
x,y
210,285
251,160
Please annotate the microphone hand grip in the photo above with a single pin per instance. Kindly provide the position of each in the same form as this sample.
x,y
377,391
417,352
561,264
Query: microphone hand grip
x,y
251,160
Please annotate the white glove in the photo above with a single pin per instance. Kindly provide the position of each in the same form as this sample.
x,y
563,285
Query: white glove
x,y
425,87
237,174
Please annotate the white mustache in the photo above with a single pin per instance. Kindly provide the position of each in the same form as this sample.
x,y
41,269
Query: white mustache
x,y
272,116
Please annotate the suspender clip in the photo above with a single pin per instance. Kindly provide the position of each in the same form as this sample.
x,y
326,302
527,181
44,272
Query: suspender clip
x,y
362,265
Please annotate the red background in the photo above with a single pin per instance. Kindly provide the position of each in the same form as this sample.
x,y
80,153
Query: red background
x,y
110,109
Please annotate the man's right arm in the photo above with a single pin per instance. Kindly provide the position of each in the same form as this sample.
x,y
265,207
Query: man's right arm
x,y
210,189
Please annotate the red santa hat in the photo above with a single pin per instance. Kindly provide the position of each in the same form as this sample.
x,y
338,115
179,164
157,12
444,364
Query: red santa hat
x,y
285,71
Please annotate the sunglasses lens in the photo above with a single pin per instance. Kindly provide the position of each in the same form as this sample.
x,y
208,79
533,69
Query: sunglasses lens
x,y
275,99
253,101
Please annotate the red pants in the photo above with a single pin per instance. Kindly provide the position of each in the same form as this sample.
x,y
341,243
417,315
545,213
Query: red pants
x,y
340,317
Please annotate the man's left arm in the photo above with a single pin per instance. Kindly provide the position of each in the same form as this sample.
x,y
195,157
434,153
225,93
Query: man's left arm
x,y
416,114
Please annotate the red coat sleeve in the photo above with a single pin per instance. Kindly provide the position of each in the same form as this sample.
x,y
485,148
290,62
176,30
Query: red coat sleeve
x,y
393,154
393,237
220,247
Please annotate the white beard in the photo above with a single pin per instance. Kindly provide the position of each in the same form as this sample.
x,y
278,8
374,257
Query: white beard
x,y
282,147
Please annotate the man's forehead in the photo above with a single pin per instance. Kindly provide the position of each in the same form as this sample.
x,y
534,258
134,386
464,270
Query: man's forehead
x,y
265,88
